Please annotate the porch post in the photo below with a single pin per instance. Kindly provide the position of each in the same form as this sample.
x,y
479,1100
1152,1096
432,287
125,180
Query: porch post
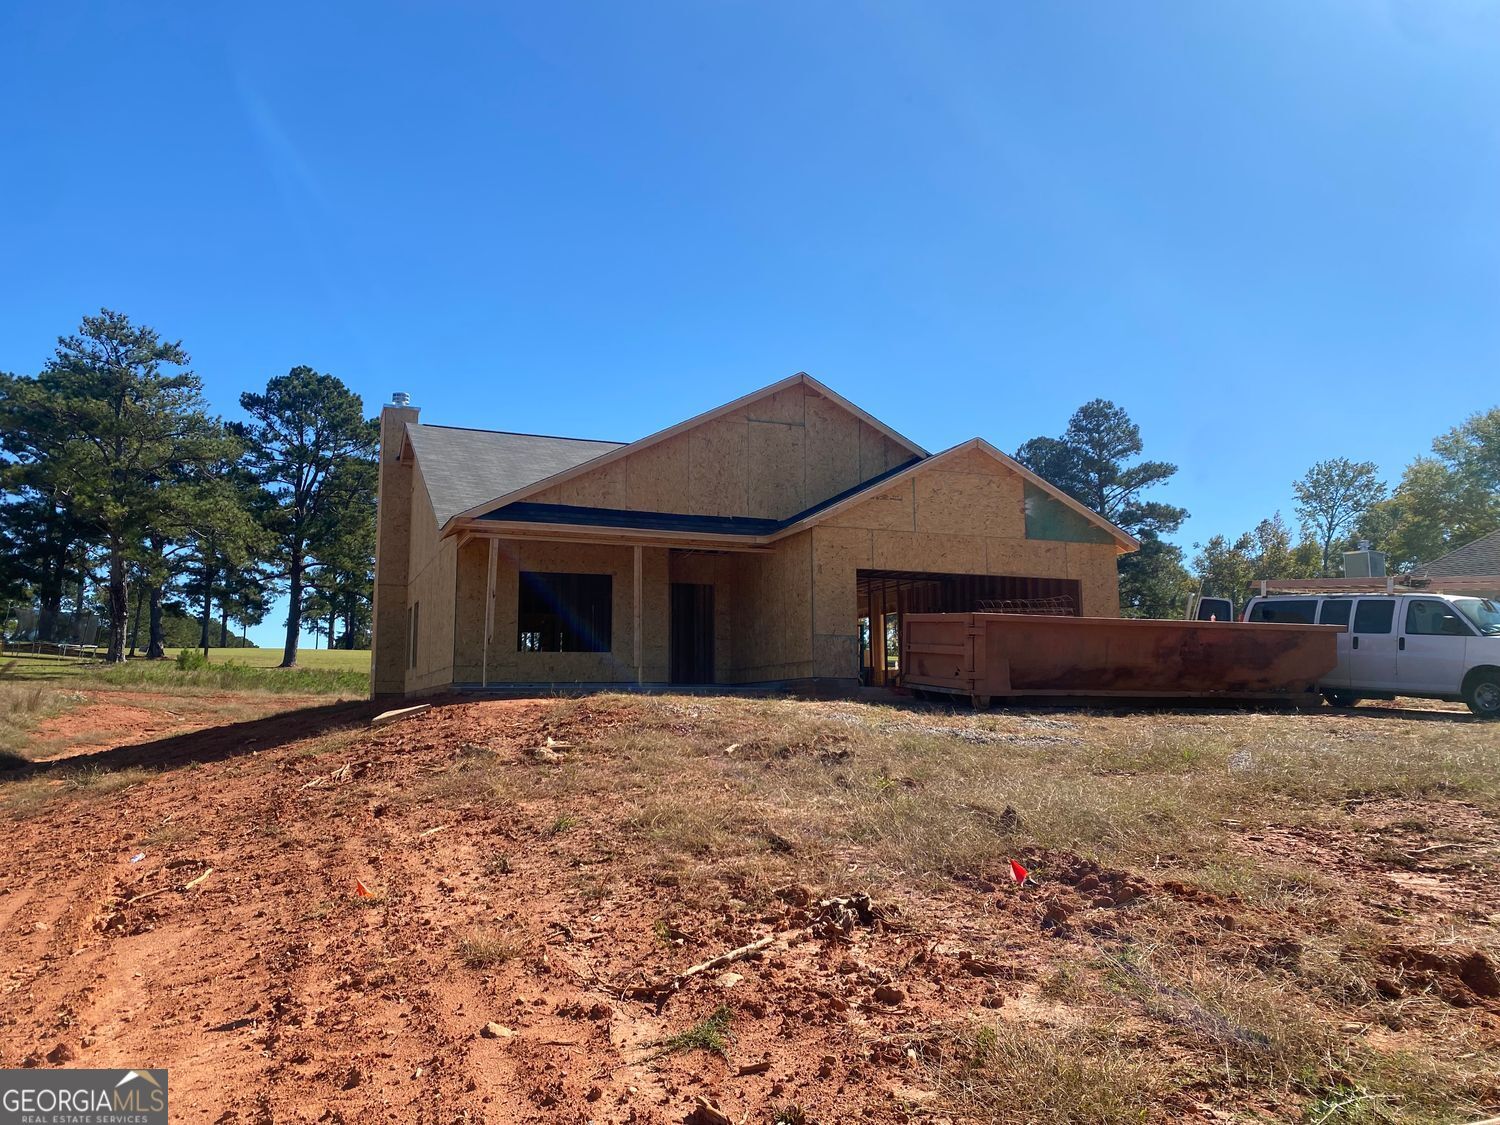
x,y
489,612
637,630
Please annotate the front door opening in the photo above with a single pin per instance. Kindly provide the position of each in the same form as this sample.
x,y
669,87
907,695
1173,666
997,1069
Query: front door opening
x,y
692,636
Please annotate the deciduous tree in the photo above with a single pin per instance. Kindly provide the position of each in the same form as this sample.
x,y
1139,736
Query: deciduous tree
x,y
1333,497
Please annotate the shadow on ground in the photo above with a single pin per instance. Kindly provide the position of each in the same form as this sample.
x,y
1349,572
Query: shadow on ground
x,y
209,744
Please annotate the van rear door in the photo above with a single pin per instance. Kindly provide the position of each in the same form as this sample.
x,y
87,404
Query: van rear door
x,y
1372,645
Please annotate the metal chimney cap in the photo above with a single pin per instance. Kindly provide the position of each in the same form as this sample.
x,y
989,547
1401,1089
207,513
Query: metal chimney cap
x,y
400,398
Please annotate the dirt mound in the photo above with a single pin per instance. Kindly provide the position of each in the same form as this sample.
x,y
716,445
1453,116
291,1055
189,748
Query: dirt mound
x,y
1462,977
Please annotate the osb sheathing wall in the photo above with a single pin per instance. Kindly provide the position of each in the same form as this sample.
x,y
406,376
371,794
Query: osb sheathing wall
x,y
431,567
509,665
771,613
964,516
392,554
777,457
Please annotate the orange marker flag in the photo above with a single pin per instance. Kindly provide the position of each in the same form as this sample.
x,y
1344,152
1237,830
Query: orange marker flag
x,y
1018,873
362,891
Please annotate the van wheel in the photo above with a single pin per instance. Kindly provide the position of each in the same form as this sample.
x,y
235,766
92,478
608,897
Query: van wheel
x,y
1483,696
1341,698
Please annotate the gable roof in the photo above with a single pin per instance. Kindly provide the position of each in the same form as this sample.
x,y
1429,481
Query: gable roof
x,y
762,531
521,492
1481,557
463,468
630,519
1123,539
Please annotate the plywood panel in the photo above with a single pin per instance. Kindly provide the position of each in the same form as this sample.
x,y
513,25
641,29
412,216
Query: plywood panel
x,y
877,453
836,657
1026,557
974,460
888,509
777,488
657,478
970,503
599,488
838,554
786,405
392,557
772,616
832,449
718,482
947,554
773,459
1096,566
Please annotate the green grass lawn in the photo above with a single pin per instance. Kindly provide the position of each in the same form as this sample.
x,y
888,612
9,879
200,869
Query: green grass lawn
x,y
27,667
357,660
318,671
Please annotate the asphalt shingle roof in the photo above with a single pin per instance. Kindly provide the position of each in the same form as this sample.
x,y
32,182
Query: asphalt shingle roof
x,y
528,512
1482,556
463,468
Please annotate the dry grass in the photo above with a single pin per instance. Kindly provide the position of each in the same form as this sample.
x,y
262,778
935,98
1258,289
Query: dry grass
x,y
1047,1075
23,704
746,795
936,793
484,948
33,794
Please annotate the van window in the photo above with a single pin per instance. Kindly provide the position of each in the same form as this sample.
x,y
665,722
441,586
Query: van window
x,y
1293,611
1428,617
1215,609
1374,617
1335,611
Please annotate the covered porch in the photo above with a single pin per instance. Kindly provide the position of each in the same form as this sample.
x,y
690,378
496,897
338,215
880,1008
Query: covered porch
x,y
595,610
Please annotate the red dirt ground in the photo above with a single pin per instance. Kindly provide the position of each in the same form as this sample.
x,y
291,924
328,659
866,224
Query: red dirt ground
x,y
274,993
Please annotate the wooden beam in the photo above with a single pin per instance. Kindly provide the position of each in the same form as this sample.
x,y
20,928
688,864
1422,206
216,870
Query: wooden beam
x,y
637,630
489,612
572,533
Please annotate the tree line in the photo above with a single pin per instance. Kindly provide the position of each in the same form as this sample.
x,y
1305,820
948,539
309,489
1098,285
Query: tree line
x,y
120,492
124,495
1441,501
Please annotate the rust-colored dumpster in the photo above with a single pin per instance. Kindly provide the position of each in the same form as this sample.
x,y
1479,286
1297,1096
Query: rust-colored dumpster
x,y
983,655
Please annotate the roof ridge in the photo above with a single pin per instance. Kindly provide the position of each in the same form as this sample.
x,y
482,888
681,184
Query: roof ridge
x,y
515,433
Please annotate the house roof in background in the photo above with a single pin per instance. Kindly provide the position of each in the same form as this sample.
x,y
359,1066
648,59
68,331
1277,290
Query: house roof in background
x,y
1481,557
463,468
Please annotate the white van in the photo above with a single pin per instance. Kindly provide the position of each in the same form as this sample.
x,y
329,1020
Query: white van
x,y
1438,646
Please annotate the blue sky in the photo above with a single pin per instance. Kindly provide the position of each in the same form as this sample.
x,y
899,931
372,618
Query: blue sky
x,y
1270,231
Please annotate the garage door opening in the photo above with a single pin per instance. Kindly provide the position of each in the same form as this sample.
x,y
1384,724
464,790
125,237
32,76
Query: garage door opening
x,y
886,596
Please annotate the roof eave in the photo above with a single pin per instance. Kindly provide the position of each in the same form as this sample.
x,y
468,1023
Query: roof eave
x,y
591,533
